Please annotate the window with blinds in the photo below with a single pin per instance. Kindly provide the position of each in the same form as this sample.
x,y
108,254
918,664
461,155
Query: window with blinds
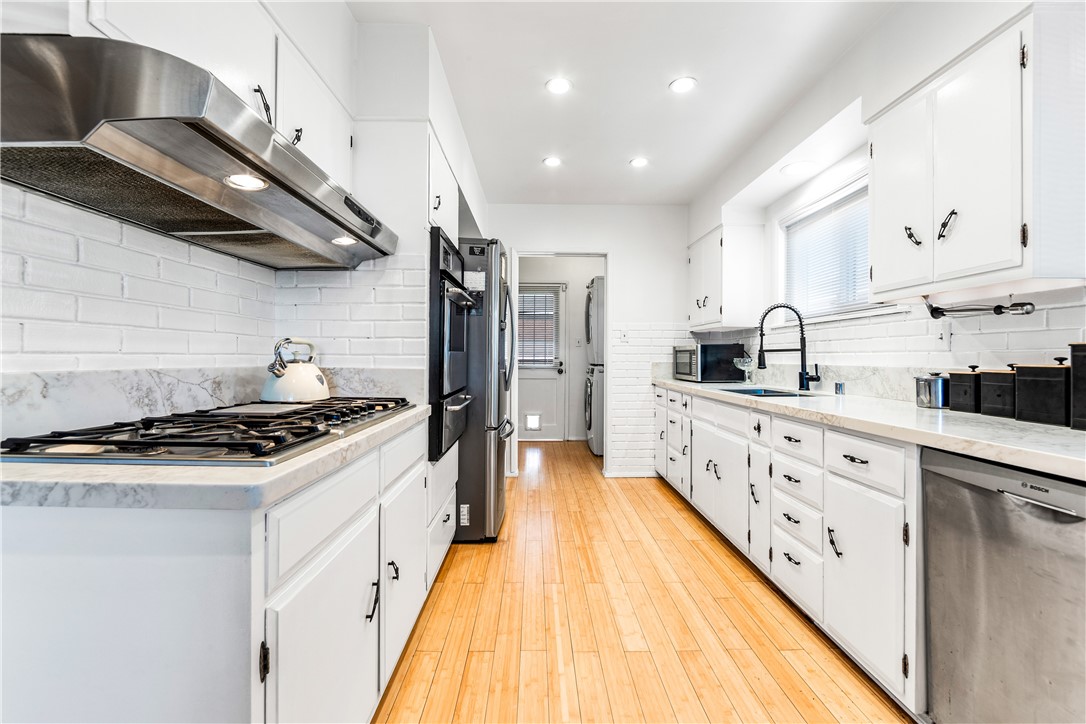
x,y
826,264
538,325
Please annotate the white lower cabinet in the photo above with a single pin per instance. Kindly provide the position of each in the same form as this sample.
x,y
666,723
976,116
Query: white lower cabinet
x,y
439,537
798,570
660,441
730,459
865,575
705,474
323,632
403,563
761,522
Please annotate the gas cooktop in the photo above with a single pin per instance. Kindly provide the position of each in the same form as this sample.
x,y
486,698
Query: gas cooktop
x,y
258,433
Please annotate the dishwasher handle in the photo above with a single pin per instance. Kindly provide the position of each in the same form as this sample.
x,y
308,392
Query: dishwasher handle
x,y
1023,499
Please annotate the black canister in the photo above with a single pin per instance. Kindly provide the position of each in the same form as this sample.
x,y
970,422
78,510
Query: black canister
x,y
1042,393
1078,386
997,392
965,390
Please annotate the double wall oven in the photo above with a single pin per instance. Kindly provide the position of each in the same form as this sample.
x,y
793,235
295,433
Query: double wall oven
x,y
449,307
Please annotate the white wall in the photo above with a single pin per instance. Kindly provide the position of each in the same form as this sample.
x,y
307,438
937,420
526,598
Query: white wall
x,y
82,291
646,272
911,43
576,272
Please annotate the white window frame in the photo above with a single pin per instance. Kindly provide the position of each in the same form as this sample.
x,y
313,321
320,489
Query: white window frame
x,y
560,321
779,244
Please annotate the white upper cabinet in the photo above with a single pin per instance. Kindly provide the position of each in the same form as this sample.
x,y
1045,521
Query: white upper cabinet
x,y
726,278
901,243
978,178
310,115
233,40
977,160
444,195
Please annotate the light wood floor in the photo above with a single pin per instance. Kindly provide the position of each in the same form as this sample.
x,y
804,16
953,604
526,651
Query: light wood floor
x,y
611,600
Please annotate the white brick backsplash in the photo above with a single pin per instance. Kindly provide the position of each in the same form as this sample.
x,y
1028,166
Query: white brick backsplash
x,y
185,319
399,329
235,324
200,256
400,295
235,286
213,343
347,329
346,295
156,341
414,311
40,362
185,273
255,272
322,279
203,299
11,336
154,244
116,258
12,268
116,312
47,337
295,295
118,361
20,303
48,212
377,312
37,241
148,290
321,311
376,346
11,200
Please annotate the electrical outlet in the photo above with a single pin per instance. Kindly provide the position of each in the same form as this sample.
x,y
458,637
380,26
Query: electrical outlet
x,y
624,336
465,514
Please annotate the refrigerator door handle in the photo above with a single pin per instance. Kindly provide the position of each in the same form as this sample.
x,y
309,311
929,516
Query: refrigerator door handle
x,y
504,434
512,340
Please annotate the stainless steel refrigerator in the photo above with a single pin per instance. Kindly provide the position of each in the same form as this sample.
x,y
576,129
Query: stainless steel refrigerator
x,y
491,346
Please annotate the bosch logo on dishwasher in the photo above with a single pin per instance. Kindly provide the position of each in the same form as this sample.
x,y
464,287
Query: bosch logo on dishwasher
x,y
1038,488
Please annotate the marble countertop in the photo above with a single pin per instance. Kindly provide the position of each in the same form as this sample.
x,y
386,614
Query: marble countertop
x,y
1044,448
209,487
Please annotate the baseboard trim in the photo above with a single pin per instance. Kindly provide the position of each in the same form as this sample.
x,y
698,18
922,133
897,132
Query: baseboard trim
x,y
632,473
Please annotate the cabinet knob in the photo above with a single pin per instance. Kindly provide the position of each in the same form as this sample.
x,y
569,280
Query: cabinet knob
x,y
1060,360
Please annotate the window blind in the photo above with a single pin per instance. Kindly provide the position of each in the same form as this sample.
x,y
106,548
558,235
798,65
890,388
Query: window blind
x,y
826,263
538,325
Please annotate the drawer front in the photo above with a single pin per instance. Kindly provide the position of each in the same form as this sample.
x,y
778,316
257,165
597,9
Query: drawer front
x,y
674,468
800,480
703,409
761,425
443,475
401,453
659,396
731,418
674,400
674,429
795,438
439,537
798,571
877,464
298,526
800,521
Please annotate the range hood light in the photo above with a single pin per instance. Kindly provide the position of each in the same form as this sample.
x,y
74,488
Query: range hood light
x,y
245,182
344,241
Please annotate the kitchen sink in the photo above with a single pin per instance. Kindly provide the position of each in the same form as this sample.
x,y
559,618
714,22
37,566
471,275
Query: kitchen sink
x,y
762,392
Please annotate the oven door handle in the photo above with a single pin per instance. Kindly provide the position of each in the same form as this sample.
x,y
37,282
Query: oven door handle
x,y
462,405
458,296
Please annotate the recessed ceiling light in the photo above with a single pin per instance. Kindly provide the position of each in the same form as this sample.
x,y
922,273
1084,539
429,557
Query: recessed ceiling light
x,y
246,182
552,161
558,86
639,162
799,168
344,240
683,85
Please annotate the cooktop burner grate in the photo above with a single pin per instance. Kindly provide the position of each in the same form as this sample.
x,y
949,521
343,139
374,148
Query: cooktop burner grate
x,y
256,433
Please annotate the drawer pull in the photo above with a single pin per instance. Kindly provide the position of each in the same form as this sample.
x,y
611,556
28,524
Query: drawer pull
x,y
790,519
758,428
684,450
447,518
716,471
708,465
791,560
792,439
833,543
672,399
672,459
854,459
754,495
661,434
790,479
671,422
376,600
395,570
659,397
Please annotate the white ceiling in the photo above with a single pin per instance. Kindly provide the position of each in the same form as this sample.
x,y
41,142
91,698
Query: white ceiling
x,y
752,61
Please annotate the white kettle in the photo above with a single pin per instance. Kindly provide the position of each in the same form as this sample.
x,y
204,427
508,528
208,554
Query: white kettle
x,y
292,378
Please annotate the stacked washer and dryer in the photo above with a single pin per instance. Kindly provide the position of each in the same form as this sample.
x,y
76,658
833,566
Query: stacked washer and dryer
x,y
595,332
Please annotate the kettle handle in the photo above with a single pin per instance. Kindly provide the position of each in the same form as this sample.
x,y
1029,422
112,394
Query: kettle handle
x,y
295,341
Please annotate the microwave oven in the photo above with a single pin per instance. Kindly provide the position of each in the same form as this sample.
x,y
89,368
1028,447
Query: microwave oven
x,y
708,363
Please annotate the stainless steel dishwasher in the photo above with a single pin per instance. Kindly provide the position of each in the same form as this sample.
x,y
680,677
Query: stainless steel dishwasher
x,y
1005,578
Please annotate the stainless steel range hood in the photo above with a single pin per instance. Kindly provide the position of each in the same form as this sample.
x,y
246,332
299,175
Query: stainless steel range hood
x,y
151,139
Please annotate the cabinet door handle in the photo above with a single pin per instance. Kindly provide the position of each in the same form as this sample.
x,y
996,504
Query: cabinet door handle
x,y
705,302
684,450
264,102
792,439
447,518
698,302
790,519
946,223
685,403
854,459
791,560
754,495
395,570
437,201
661,434
297,137
758,427
833,543
716,471
376,599
790,479
708,465
911,236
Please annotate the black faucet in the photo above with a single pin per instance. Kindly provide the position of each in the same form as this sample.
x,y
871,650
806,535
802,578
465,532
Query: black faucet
x,y
805,379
